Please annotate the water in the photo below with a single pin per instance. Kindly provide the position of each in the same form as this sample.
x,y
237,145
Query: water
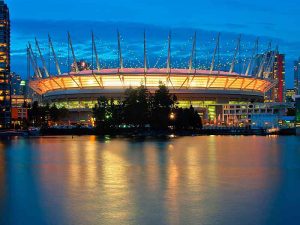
x,y
189,180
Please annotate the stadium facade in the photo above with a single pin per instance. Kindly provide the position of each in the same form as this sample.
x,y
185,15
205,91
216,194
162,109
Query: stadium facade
x,y
206,90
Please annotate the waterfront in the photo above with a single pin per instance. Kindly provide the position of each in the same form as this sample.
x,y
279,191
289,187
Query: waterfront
x,y
186,180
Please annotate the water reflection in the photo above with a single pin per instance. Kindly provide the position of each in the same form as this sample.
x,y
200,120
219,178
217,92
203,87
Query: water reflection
x,y
2,179
190,180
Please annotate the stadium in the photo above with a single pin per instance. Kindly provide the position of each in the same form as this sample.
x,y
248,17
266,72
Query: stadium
x,y
205,89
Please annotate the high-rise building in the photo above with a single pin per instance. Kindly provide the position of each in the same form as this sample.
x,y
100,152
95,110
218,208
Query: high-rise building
x,y
290,95
277,72
15,82
18,85
5,101
297,76
298,111
278,92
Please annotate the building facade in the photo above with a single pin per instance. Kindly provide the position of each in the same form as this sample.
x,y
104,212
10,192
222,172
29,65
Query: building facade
x,y
297,76
19,110
273,63
279,75
277,93
297,99
5,101
298,111
290,95
243,114
18,85
15,82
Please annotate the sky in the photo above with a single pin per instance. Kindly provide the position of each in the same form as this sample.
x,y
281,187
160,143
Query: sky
x,y
274,20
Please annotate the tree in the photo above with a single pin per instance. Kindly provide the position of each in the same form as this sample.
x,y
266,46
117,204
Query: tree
x,y
291,112
136,106
139,108
116,113
162,103
57,114
54,113
63,113
187,118
101,113
194,118
38,114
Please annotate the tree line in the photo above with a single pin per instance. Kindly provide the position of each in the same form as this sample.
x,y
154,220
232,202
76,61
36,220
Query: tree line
x,y
141,109
41,115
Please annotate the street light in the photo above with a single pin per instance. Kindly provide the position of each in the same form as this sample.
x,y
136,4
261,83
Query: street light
x,y
172,116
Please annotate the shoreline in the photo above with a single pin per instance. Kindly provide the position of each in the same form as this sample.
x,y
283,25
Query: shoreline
x,y
149,133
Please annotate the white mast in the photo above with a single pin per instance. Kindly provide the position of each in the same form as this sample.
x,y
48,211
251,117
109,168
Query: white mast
x,y
73,53
34,63
42,58
193,53
95,51
145,59
145,53
54,55
120,51
169,54
215,52
235,54
255,50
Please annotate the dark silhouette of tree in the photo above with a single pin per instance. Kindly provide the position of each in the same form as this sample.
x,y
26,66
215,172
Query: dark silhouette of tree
x,y
108,115
64,113
100,112
116,113
25,105
37,114
162,103
54,113
187,118
139,108
58,114
136,106
40,115
291,112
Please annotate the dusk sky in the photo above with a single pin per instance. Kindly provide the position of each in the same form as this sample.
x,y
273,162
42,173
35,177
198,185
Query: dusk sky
x,y
270,19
